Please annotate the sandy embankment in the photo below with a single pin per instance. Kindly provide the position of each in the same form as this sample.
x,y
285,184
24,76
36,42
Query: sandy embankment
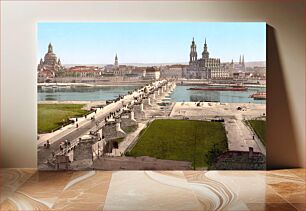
x,y
88,104
211,109
96,84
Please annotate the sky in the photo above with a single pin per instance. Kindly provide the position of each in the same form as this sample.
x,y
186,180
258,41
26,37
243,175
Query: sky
x,y
151,42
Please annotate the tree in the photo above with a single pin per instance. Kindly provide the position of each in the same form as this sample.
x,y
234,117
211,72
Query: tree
x,y
212,155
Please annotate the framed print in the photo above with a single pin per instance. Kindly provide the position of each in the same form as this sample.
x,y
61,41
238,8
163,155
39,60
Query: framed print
x,y
151,95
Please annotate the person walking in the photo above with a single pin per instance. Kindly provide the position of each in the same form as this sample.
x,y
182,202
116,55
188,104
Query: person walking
x,y
48,144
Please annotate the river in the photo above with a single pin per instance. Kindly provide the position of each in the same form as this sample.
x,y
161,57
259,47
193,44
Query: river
x,y
83,93
180,94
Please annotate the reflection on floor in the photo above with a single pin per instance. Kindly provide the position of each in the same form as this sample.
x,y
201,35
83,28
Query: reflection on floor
x,y
29,189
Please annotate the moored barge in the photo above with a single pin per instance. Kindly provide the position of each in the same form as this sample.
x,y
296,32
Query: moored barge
x,y
259,96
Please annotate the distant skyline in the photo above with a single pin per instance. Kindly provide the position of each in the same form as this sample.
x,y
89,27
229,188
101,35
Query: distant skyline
x,y
151,42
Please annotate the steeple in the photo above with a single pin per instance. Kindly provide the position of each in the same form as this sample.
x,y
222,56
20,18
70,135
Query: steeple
x,y
240,59
243,59
116,60
50,48
205,54
193,52
59,61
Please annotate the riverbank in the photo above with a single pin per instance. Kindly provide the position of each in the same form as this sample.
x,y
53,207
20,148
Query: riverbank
x,y
83,93
246,82
94,84
195,83
65,102
210,110
87,104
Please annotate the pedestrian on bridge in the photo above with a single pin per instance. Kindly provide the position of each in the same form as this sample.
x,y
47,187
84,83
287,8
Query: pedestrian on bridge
x,y
48,144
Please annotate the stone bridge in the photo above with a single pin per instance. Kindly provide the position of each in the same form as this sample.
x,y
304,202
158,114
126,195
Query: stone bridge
x,y
101,134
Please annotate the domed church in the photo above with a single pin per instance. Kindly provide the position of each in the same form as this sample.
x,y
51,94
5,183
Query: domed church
x,y
50,65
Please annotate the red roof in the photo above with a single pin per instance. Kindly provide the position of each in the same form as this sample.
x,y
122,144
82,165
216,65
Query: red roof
x,y
83,69
139,69
152,69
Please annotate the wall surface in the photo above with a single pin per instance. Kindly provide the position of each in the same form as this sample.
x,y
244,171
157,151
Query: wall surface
x,y
286,63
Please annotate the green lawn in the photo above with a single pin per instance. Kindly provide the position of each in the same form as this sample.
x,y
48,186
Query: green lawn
x,y
183,140
53,116
259,126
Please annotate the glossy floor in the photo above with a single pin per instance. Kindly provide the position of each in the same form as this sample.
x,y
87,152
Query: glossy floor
x,y
28,189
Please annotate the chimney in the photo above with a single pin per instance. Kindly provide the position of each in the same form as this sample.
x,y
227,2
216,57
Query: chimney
x,y
251,150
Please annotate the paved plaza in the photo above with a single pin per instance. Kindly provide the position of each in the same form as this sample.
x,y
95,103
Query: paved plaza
x,y
209,110
240,136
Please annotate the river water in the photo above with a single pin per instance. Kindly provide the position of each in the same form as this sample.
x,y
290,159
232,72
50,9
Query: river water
x,y
180,94
83,93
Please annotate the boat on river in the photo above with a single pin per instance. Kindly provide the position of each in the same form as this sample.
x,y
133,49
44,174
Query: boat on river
x,y
259,96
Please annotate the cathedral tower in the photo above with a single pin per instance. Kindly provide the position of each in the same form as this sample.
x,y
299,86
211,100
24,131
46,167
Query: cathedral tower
x,y
205,54
116,61
50,48
242,63
193,52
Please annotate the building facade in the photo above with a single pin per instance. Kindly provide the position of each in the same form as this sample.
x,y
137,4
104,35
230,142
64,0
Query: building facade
x,y
82,71
152,73
172,71
139,71
205,67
